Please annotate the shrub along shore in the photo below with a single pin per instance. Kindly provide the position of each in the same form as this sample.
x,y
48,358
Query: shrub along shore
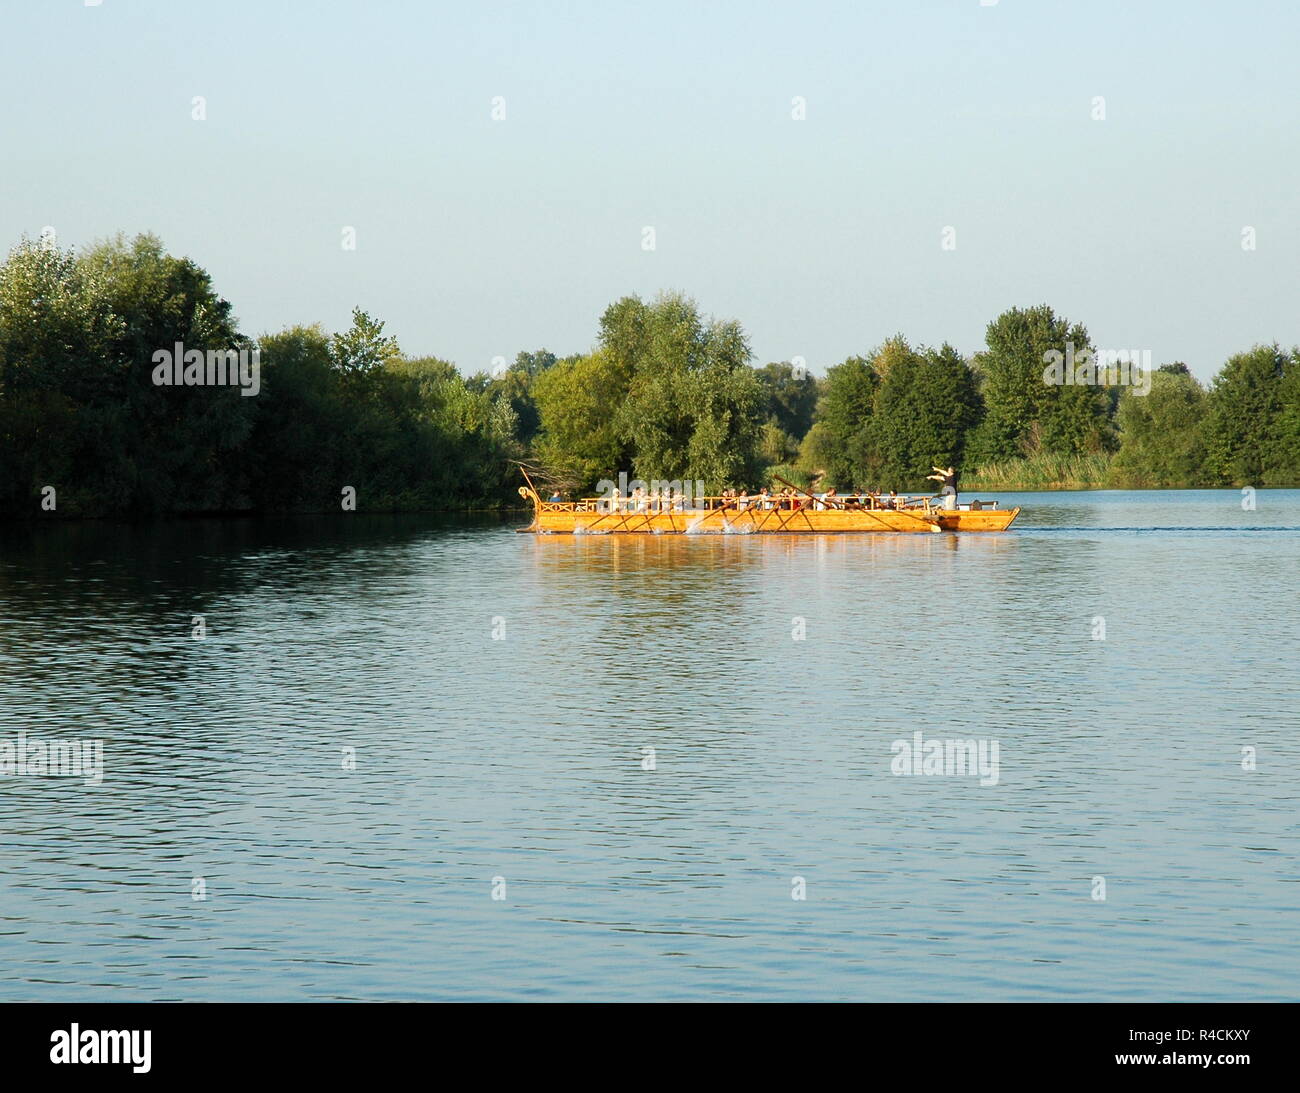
x,y
103,413
1049,472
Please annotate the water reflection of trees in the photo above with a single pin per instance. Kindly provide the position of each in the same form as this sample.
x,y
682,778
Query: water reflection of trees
x,y
118,597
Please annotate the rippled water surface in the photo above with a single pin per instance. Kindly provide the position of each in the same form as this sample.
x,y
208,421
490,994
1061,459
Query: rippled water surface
x,y
520,757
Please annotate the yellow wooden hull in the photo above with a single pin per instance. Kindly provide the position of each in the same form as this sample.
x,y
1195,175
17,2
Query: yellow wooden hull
x,y
565,520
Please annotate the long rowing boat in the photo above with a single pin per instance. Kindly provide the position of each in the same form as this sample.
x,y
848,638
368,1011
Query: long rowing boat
x,y
717,515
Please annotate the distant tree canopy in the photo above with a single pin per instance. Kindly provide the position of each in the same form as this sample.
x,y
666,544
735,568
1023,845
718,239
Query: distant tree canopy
x,y
1163,431
890,417
926,404
844,420
80,411
1248,415
667,393
1023,415
576,403
790,399
78,408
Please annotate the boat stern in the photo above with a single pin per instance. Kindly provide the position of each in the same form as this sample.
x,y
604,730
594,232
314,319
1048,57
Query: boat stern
x,y
976,519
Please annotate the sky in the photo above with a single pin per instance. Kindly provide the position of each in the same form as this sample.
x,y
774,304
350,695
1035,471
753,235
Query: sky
x,y
479,236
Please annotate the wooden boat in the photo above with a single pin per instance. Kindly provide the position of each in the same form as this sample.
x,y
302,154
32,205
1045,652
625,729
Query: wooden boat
x,y
805,515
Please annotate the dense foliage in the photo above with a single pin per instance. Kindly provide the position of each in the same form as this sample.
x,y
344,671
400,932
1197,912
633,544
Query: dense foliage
x,y
667,393
81,413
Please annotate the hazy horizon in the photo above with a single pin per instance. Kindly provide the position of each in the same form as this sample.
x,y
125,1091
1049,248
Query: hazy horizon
x,y
477,238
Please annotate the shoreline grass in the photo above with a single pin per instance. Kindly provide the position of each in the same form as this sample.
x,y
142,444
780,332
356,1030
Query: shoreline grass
x,y
1044,471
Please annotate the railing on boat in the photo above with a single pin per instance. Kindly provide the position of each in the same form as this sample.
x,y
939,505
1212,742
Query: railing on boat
x,y
846,502
800,500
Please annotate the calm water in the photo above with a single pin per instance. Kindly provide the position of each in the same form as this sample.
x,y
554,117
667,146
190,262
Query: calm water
x,y
521,758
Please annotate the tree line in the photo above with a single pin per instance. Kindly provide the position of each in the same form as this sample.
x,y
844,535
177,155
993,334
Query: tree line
x,y
666,393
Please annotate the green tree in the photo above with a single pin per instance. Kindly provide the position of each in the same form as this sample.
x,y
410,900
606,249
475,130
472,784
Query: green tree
x,y
1284,441
57,331
515,388
925,404
362,351
302,426
776,446
79,406
1246,415
577,401
842,448
83,407
1162,434
818,451
693,404
1026,415
533,363
789,397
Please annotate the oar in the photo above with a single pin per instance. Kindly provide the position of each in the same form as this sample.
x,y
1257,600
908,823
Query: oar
x,y
932,526
721,508
833,502
921,520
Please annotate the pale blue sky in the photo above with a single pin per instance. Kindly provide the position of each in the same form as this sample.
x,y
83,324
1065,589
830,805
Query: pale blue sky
x,y
478,238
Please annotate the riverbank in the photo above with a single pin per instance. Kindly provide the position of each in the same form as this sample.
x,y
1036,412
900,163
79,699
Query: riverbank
x,y
1103,471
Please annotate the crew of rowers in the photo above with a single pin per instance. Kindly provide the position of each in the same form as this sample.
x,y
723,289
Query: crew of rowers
x,y
788,500
642,500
